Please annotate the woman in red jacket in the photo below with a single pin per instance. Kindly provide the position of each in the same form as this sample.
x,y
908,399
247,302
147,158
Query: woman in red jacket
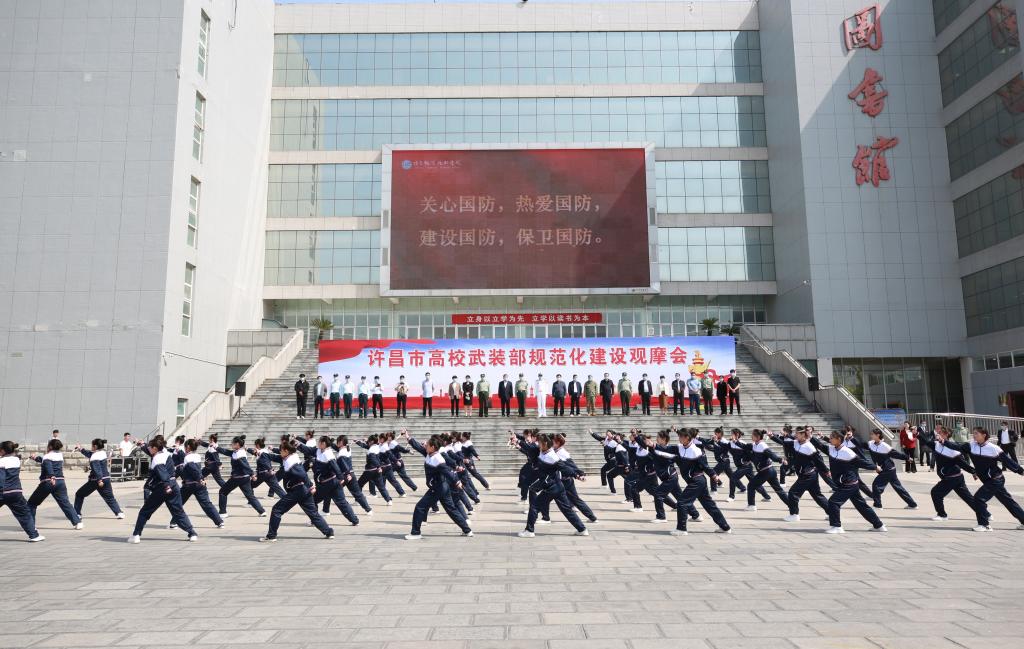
x,y
908,440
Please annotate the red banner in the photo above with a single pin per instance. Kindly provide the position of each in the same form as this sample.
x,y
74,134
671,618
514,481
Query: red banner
x,y
519,219
525,318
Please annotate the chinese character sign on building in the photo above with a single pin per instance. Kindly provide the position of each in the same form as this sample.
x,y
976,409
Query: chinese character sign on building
x,y
525,318
443,359
863,29
519,219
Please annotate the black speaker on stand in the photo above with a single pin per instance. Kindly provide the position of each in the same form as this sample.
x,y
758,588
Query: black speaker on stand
x,y
813,387
240,392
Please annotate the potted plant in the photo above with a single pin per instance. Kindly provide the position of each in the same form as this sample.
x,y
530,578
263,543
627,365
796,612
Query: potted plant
x,y
709,325
322,325
730,330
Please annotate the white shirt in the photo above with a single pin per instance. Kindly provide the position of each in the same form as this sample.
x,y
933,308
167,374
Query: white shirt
x,y
126,448
364,388
350,387
1004,436
336,387
428,388
542,387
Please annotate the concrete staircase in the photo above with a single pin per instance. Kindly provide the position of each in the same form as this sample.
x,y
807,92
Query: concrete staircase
x,y
769,401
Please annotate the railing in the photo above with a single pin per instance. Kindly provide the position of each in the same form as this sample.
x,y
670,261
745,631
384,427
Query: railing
x,y
221,404
834,398
991,423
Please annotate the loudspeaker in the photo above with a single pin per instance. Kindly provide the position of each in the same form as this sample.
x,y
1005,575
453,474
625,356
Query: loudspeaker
x,y
812,383
239,388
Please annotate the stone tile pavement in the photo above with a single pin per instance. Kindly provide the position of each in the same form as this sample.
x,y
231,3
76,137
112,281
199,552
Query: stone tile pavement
x,y
923,585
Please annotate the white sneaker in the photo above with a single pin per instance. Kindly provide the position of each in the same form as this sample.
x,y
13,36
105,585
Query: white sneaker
x,y
221,526
401,495
389,503
262,515
468,534
42,538
119,516
329,537
78,526
627,501
982,528
720,530
328,513
593,522
135,539
751,508
267,539
699,519
1020,526
835,530
637,510
910,507
729,499
369,513
413,537
583,532
526,511
678,532
193,538
172,526
940,519
543,521
224,516
792,518
883,528
659,520
526,534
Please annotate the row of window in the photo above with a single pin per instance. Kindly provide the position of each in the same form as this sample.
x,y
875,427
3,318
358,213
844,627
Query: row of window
x,y
313,257
195,188
365,124
999,361
431,317
516,58
994,298
694,187
990,214
946,11
980,49
989,128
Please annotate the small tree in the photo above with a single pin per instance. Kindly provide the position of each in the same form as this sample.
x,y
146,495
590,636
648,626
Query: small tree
x,y
730,330
709,325
322,325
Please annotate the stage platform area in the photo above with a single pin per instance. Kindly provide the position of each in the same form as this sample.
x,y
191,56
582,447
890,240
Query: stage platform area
x,y
768,401
630,585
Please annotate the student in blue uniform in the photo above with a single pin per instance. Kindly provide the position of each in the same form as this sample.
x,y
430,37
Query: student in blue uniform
x,y
990,461
99,479
526,443
608,447
471,457
11,494
883,455
191,472
950,465
718,446
397,463
569,482
211,462
298,491
327,476
343,455
51,483
441,480
761,458
373,471
742,457
265,472
693,466
844,463
808,465
163,490
241,477
668,491
549,474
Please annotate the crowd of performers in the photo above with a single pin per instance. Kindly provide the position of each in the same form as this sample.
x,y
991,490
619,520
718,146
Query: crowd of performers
x,y
677,473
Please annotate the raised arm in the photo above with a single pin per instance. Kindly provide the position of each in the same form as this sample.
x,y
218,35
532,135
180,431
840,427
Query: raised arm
x,y
419,448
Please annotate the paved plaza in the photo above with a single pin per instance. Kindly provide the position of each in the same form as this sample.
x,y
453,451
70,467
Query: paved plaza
x,y
630,584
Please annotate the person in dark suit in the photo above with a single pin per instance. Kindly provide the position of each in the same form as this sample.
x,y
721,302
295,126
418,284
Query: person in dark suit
x,y
301,392
734,391
467,394
607,390
558,392
722,392
575,391
677,395
505,390
646,390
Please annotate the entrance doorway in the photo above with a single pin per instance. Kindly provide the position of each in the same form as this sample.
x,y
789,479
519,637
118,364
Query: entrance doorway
x,y
1015,401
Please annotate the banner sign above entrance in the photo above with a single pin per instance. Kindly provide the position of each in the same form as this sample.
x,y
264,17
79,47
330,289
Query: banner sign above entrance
x,y
525,318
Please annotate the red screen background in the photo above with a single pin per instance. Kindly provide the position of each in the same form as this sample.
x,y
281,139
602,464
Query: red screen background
x,y
458,219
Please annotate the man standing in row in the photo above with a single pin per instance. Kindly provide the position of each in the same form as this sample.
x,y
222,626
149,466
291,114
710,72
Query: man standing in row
x,y
364,396
401,397
625,393
377,396
734,391
428,396
558,391
590,394
522,389
346,397
455,395
483,395
321,393
707,393
607,391
540,390
693,387
722,392
575,390
505,395
301,392
335,396
678,385
646,390
467,396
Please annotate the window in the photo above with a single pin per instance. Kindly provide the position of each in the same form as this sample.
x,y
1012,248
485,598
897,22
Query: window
x,y
990,214
994,300
324,190
182,412
311,257
983,47
193,213
989,128
204,43
186,305
198,127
